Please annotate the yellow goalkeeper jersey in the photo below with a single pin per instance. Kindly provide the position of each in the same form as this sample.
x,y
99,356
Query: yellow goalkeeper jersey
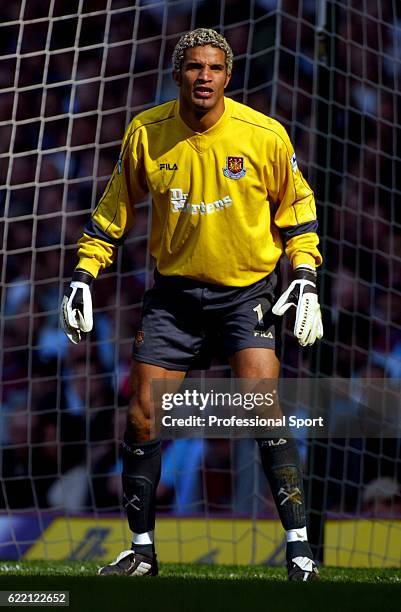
x,y
226,203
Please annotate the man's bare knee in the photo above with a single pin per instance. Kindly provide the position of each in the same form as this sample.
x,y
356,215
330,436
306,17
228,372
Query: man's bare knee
x,y
141,420
143,412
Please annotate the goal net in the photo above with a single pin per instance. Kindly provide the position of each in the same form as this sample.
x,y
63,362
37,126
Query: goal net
x,y
72,75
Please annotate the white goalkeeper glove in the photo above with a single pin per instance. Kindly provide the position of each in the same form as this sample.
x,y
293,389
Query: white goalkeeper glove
x,y
302,294
76,307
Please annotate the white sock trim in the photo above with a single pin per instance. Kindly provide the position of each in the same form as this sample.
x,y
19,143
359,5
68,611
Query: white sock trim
x,y
296,535
143,538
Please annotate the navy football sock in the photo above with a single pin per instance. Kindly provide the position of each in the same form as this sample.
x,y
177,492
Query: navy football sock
x,y
281,464
140,477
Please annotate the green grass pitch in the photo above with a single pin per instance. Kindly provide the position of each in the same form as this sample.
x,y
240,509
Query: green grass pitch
x,y
186,587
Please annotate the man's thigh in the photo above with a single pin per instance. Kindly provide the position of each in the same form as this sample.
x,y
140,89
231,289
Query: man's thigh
x,y
258,370
255,363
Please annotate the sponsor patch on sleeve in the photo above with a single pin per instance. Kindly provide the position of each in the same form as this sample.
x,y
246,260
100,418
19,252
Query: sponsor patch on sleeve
x,y
294,163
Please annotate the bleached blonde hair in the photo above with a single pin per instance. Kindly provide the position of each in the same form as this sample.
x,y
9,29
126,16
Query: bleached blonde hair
x,y
199,38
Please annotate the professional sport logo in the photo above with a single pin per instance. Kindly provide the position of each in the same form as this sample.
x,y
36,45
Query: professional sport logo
x,y
235,167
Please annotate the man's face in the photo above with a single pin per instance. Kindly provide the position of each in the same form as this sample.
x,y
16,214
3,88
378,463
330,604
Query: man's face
x,y
203,77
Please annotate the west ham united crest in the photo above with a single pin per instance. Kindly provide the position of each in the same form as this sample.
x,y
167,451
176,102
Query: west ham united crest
x,y
139,337
235,167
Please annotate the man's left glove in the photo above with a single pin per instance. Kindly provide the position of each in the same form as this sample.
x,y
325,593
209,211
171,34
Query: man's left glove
x,y
302,294
76,307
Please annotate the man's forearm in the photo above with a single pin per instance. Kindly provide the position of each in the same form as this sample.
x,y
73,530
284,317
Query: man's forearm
x,y
302,249
94,255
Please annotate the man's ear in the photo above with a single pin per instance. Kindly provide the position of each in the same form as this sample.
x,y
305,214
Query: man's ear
x,y
177,78
227,80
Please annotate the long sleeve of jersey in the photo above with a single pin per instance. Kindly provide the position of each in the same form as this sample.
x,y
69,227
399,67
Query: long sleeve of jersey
x,y
114,215
296,212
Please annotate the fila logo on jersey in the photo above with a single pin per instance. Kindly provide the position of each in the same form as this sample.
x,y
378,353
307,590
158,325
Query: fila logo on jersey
x,y
235,167
168,167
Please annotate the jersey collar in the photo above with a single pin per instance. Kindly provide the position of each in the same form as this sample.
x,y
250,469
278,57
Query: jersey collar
x,y
203,140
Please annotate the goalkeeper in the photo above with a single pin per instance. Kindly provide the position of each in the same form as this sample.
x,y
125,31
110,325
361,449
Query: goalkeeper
x,y
228,199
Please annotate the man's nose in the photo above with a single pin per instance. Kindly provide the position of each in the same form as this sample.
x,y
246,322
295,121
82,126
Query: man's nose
x,y
204,74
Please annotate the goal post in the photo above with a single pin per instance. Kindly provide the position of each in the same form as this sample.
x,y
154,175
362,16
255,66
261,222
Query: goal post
x,y
324,185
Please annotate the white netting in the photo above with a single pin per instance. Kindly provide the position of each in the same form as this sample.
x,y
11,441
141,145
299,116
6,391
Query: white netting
x,y
72,75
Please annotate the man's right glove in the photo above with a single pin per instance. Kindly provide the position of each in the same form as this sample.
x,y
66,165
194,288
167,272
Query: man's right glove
x,y
76,307
302,294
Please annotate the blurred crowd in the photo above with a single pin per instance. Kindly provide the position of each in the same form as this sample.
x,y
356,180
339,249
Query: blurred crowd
x,y
62,116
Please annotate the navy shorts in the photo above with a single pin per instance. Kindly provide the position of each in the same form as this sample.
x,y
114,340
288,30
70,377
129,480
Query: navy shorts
x,y
185,322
